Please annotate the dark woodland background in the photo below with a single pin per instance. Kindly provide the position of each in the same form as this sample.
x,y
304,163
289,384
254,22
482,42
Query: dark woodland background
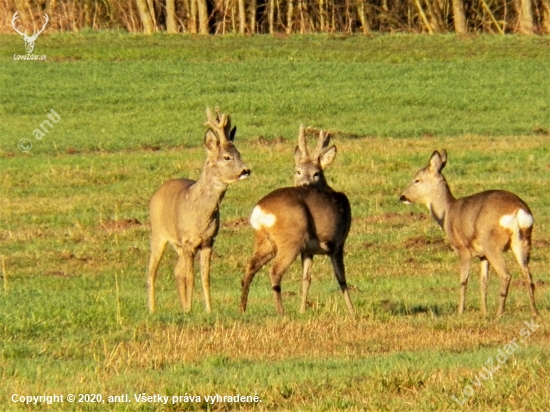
x,y
282,16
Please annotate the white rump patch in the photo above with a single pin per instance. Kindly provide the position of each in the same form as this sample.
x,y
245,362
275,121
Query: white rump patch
x,y
260,219
508,221
522,219
525,220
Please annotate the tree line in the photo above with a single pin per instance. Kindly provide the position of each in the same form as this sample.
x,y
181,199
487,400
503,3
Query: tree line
x,y
285,16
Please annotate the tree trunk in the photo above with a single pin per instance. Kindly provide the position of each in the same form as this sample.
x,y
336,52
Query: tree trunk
x,y
242,17
252,16
546,16
145,16
171,24
152,13
436,19
192,25
525,15
289,15
322,15
88,14
459,17
271,16
363,18
203,16
423,16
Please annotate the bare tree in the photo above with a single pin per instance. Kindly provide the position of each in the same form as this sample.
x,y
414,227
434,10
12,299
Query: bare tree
x,y
145,16
525,17
546,16
459,17
171,23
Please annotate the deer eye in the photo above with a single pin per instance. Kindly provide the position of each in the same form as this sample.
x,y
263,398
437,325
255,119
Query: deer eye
x,y
226,157
298,172
416,180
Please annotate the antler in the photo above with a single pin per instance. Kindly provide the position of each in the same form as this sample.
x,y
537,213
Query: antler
x,y
220,123
322,142
15,17
302,145
35,34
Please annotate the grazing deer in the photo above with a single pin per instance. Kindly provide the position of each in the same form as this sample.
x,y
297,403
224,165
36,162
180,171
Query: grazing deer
x,y
308,219
186,213
482,225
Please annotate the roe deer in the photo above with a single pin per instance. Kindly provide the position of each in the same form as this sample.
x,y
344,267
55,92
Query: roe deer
x,y
310,219
482,225
186,213
309,168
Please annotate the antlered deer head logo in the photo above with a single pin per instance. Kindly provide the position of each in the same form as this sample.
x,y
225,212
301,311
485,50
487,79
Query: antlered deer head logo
x,y
29,40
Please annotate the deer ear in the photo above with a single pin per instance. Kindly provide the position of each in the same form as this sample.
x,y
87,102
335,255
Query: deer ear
x,y
438,161
327,157
443,155
232,133
211,141
297,155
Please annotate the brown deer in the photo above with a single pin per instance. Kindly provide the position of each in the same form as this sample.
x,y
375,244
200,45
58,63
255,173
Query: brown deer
x,y
308,219
186,212
482,225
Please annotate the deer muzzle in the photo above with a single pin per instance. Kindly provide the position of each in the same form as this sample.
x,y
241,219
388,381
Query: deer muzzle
x,y
244,174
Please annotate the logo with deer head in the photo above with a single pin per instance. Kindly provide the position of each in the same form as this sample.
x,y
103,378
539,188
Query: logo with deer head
x,y
29,40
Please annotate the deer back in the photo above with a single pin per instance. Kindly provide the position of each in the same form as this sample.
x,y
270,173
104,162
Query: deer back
x,y
489,216
317,215
473,221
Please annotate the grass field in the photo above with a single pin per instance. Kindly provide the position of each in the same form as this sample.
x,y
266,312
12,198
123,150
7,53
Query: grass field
x,y
74,222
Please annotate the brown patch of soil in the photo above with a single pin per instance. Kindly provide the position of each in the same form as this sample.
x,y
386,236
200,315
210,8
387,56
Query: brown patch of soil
x,y
264,142
422,242
57,273
236,224
111,225
393,216
70,256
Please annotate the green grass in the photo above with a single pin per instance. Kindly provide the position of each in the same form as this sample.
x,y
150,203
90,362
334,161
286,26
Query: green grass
x,y
116,92
74,222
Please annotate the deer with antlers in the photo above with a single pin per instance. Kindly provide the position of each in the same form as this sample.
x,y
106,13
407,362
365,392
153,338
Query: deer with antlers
x,y
29,40
185,213
307,219
482,225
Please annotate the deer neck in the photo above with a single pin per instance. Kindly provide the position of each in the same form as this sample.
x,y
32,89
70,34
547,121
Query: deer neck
x,y
208,191
441,203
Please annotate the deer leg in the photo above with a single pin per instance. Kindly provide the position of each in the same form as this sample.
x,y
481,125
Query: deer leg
x,y
281,264
496,259
464,259
206,253
483,275
184,277
337,260
521,251
307,261
157,249
264,252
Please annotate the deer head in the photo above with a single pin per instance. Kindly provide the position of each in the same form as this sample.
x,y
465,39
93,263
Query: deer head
x,y
310,167
29,40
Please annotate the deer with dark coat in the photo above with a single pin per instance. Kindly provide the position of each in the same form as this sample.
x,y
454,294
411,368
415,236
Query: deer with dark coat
x,y
308,219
